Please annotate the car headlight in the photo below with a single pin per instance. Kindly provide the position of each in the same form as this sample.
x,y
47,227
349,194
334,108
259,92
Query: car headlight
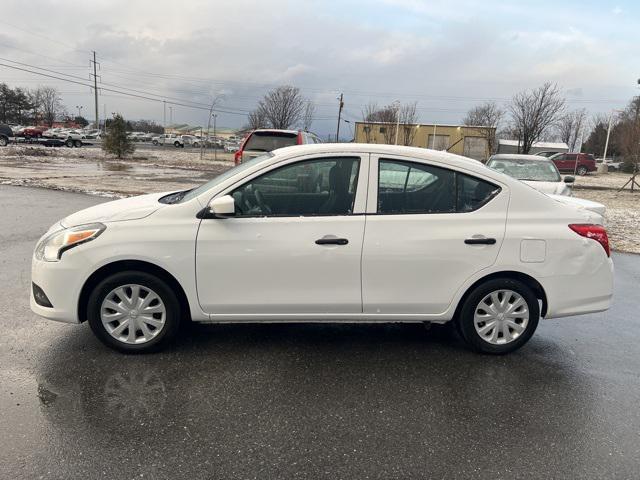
x,y
51,248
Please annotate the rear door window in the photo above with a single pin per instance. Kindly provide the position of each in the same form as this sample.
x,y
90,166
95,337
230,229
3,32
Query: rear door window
x,y
268,141
410,187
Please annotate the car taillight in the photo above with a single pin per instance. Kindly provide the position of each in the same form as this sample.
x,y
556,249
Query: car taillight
x,y
594,232
237,157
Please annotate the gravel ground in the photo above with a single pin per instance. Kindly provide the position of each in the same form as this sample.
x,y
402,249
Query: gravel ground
x,y
90,170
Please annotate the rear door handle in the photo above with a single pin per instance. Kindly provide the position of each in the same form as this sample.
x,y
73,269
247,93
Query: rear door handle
x,y
480,241
331,240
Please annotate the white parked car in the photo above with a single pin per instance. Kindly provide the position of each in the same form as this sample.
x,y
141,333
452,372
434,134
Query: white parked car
x,y
535,170
282,238
543,175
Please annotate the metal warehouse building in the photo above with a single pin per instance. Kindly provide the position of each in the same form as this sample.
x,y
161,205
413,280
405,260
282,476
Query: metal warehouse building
x,y
513,146
460,139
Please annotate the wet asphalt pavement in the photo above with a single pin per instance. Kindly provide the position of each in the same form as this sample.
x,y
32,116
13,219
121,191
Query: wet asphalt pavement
x,y
309,401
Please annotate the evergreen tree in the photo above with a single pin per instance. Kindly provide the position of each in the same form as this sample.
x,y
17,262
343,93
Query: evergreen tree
x,y
116,141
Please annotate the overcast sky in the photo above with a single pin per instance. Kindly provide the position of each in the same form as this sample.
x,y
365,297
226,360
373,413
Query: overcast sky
x,y
446,55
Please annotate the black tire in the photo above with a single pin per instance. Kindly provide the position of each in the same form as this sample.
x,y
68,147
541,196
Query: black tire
x,y
77,143
465,318
3,141
69,143
155,142
166,294
176,144
582,170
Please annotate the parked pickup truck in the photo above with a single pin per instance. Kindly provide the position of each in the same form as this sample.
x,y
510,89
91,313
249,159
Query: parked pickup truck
x,y
5,134
168,139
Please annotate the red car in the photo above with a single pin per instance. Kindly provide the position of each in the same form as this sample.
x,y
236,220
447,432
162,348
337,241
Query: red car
x,y
32,132
580,163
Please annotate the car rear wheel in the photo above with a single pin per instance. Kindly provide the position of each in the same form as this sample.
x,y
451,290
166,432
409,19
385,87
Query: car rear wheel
x,y
582,170
499,316
3,141
69,143
134,312
77,143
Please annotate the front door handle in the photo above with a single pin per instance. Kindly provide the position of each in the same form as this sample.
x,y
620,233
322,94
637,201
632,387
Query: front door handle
x,y
480,241
331,240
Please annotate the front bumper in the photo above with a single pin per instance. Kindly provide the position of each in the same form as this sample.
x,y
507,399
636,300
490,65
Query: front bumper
x,y
61,282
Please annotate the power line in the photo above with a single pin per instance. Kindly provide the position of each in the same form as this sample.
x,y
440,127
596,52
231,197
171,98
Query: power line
x,y
120,92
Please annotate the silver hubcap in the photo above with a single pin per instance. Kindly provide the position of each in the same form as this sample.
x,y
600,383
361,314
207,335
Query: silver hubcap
x,y
133,314
501,317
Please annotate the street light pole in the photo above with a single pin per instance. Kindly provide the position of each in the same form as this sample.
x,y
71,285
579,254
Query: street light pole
x,y
397,104
215,150
79,107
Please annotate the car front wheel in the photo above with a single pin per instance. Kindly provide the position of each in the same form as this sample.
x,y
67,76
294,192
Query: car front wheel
x,y
134,312
499,316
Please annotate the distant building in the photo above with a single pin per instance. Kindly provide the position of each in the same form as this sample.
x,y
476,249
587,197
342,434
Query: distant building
x,y
460,139
511,146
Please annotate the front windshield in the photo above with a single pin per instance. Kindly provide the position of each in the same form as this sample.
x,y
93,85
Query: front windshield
x,y
531,170
224,176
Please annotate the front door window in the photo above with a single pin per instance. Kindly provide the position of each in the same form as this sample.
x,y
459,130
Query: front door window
x,y
322,186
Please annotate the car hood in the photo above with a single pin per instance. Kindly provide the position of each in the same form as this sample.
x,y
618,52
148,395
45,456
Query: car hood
x,y
555,188
132,208
581,203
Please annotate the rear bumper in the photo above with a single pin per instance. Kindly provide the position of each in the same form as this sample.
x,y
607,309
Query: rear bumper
x,y
588,289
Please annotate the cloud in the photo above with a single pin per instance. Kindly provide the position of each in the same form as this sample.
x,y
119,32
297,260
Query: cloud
x,y
446,55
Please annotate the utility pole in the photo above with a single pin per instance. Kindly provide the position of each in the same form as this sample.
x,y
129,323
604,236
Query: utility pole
x,y
95,88
164,116
170,115
339,115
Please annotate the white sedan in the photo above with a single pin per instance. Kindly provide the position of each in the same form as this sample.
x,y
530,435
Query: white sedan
x,y
534,170
328,233
543,175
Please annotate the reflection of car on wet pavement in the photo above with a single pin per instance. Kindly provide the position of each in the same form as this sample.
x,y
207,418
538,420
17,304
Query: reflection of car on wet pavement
x,y
302,211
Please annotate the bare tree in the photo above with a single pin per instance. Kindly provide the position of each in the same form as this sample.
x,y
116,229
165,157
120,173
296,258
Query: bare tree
x,y
256,119
51,104
307,115
571,127
629,134
368,115
533,112
409,121
486,118
282,107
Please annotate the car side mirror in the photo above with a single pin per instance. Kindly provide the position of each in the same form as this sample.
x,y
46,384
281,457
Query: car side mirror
x,y
222,207
569,179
